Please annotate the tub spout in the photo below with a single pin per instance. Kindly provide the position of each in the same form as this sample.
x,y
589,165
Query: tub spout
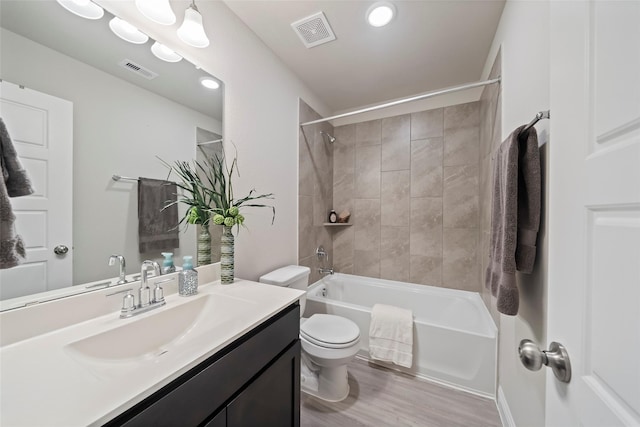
x,y
325,270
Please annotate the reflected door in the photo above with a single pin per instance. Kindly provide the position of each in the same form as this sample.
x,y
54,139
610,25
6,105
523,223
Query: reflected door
x,y
41,128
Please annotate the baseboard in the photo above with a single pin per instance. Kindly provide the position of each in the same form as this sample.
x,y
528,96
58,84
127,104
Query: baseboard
x,y
503,410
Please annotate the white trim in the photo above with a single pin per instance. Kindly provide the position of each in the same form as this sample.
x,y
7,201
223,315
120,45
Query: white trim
x,y
503,409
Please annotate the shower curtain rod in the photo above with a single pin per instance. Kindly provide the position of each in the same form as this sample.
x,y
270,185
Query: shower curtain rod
x,y
402,101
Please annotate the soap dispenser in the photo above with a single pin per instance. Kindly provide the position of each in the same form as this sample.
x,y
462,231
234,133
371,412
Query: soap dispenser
x,y
187,278
167,264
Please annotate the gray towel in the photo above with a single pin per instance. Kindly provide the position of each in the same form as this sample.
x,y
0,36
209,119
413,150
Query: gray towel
x,y
515,216
14,183
157,228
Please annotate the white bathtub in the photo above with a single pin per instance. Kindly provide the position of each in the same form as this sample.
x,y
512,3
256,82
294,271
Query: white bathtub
x,y
454,335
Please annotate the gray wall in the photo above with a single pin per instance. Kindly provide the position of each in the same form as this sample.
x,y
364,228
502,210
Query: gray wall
x,y
411,183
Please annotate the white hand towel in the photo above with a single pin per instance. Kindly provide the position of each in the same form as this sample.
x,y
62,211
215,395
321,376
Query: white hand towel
x,y
391,335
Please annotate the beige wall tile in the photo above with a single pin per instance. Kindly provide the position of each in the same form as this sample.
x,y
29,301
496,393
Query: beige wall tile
x,y
394,253
460,268
345,136
426,227
426,167
368,133
427,124
367,175
305,165
460,200
461,146
396,143
367,263
426,270
305,226
394,198
367,224
462,115
343,242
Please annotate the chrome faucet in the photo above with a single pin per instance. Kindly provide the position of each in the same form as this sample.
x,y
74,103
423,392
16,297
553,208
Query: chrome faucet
x,y
123,273
144,293
145,303
322,255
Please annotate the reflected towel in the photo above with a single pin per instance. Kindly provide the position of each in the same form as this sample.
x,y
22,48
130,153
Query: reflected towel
x,y
391,335
13,183
515,216
157,228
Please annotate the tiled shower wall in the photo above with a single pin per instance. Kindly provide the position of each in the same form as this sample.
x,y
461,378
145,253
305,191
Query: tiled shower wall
x,y
315,189
490,138
411,183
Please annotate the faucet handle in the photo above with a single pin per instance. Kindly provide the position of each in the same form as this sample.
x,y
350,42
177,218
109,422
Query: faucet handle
x,y
158,293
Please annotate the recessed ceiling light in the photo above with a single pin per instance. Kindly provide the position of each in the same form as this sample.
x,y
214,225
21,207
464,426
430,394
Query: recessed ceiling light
x,y
209,82
164,53
380,14
83,8
127,32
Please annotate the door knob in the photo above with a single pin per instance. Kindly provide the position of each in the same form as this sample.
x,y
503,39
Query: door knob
x,y
60,250
556,358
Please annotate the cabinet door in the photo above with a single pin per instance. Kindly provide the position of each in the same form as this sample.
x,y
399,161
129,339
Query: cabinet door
x,y
219,420
272,399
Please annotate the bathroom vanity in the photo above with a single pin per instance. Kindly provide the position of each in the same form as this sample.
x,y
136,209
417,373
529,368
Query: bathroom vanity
x,y
255,381
226,357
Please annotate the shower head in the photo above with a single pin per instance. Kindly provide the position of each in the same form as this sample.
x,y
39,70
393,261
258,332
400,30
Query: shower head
x,y
329,137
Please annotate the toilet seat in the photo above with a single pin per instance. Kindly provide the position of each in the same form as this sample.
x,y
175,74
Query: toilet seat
x,y
329,331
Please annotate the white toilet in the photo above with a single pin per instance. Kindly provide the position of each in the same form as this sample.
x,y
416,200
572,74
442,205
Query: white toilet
x,y
329,342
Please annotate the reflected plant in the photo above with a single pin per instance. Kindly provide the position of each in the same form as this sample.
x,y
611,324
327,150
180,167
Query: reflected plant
x,y
208,191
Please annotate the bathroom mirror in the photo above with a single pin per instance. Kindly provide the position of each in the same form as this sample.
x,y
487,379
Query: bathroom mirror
x,y
130,109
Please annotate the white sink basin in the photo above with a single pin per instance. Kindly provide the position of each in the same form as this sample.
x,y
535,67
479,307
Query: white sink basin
x,y
155,332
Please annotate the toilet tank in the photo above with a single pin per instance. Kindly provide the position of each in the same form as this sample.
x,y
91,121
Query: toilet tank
x,y
291,276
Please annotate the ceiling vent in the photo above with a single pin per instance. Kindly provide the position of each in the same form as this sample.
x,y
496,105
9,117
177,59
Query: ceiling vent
x,y
138,69
314,30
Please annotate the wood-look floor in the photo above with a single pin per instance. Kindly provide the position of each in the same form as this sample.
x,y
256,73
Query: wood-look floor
x,y
381,397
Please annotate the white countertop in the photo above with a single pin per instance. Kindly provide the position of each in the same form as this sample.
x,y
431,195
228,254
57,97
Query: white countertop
x,y
44,383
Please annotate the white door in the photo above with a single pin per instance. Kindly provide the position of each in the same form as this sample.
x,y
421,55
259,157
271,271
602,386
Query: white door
x,y
41,128
594,218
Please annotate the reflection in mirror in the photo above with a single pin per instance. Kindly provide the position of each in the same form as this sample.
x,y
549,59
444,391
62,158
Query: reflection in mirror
x,y
124,108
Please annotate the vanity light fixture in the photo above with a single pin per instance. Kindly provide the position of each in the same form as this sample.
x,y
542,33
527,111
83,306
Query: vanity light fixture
x,y
83,8
380,14
209,82
164,53
127,32
192,31
158,11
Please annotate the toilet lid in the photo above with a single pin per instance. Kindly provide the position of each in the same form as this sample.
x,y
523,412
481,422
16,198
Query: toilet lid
x,y
327,330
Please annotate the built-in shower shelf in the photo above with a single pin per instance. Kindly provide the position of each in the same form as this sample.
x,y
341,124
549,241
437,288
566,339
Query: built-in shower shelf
x,y
337,224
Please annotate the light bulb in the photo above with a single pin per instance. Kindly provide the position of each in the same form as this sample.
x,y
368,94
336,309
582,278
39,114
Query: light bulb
x,y
164,53
158,11
127,32
83,8
192,31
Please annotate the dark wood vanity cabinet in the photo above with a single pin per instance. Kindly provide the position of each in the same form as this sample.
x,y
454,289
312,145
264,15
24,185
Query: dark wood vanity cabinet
x,y
255,381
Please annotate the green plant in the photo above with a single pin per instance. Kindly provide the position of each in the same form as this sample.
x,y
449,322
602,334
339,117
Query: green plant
x,y
208,190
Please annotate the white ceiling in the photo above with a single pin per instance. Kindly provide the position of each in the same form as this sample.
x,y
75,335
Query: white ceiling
x,y
429,45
